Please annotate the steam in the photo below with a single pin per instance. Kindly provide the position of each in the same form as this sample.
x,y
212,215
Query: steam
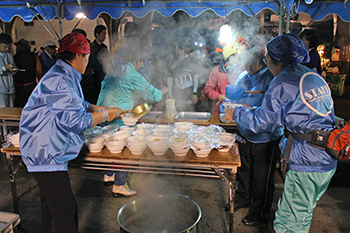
x,y
201,34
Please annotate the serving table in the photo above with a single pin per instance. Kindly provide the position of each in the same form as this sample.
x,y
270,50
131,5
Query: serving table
x,y
216,165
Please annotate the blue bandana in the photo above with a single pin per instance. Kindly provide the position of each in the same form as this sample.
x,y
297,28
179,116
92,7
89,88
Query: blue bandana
x,y
288,49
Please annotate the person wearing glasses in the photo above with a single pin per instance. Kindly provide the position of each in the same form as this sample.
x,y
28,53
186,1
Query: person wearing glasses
x,y
298,101
260,152
7,64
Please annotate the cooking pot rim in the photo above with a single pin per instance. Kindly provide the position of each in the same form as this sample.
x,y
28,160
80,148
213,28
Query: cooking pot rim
x,y
161,196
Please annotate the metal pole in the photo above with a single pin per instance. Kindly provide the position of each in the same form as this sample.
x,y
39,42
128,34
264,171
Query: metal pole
x,y
281,17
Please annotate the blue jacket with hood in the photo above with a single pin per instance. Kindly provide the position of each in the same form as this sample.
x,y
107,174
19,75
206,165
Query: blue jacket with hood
x,y
298,100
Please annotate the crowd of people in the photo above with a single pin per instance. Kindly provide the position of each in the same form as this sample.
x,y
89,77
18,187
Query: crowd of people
x,y
87,85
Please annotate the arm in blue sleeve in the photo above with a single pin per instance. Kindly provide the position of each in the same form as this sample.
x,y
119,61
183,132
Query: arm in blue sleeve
x,y
148,91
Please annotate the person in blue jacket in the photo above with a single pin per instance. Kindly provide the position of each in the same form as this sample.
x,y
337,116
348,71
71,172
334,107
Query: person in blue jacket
x,y
299,100
51,132
260,152
122,86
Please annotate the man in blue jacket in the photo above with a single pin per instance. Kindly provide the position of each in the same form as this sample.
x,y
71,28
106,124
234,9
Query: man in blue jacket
x,y
299,100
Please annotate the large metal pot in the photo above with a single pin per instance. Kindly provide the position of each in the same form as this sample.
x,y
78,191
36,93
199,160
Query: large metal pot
x,y
160,214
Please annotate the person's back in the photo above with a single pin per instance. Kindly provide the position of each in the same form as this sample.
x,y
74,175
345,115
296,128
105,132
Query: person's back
x,y
29,72
48,57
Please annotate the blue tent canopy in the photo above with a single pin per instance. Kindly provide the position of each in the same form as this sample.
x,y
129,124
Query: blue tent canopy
x,y
49,9
115,8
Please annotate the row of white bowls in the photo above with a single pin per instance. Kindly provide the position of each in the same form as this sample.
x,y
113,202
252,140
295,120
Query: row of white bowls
x,y
159,140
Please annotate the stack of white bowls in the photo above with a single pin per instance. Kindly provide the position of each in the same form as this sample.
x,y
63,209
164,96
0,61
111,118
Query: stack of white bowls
x,y
136,144
157,143
14,139
95,144
202,145
179,144
116,146
226,141
201,152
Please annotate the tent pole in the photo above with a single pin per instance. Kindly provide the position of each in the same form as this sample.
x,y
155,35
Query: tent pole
x,y
256,19
313,18
281,17
48,30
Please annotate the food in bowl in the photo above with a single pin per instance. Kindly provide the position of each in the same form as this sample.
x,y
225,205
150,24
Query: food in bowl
x,y
129,119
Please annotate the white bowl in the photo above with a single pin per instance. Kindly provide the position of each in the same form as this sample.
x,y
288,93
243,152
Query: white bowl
x,y
226,141
136,150
129,119
183,126
136,143
201,152
180,150
201,141
14,139
121,135
95,144
116,146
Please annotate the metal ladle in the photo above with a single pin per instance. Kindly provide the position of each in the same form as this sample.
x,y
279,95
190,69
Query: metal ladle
x,y
139,111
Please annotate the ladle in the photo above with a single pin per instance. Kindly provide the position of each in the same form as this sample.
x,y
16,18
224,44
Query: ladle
x,y
139,111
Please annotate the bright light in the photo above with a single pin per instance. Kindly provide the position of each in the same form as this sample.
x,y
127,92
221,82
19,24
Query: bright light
x,y
80,15
225,34
309,1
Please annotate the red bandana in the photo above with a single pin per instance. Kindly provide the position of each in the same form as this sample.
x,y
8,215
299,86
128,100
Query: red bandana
x,y
74,42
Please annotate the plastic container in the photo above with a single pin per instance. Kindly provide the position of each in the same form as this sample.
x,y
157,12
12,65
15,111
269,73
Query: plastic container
x,y
8,221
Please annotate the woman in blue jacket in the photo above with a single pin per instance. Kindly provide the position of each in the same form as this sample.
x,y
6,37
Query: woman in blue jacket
x,y
51,132
298,100
122,86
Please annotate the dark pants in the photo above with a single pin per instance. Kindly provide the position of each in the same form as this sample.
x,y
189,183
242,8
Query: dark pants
x,y
22,94
59,207
256,176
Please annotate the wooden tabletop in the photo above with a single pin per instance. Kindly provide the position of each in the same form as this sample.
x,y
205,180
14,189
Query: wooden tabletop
x,y
215,158
8,113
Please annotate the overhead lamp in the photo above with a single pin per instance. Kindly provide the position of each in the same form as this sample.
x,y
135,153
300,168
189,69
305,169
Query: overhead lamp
x,y
308,1
80,15
225,34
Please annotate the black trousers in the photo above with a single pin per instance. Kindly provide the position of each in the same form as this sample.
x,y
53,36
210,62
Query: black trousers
x,y
59,207
256,176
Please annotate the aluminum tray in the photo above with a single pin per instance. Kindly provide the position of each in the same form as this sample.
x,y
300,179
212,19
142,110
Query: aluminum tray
x,y
193,116
222,119
153,115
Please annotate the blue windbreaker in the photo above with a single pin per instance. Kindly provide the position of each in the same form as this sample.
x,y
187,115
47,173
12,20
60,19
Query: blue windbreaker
x,y
298,99
121,85
53,120
238,93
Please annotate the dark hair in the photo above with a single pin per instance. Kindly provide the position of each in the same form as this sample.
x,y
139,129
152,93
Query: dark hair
x,y
310,36
130,27
99,29
5,39
67,56
81,31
